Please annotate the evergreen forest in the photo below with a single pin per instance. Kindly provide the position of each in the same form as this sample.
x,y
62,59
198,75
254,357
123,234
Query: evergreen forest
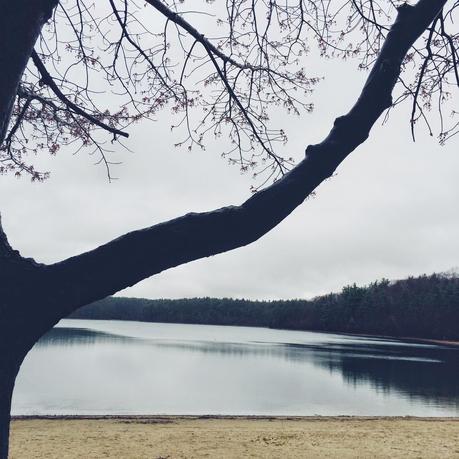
x,y
421,307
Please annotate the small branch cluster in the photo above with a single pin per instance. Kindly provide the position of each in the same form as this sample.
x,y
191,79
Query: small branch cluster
x,y
221,70
435,85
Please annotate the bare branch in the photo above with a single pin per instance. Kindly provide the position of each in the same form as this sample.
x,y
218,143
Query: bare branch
x,y
47,79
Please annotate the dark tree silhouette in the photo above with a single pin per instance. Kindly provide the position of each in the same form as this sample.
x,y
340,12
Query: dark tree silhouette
x,y
50,80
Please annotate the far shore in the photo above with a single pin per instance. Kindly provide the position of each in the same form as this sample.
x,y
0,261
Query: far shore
x,y
228,437
445,342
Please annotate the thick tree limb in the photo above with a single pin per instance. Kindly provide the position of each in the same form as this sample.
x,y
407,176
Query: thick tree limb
x,y
20,24
140,254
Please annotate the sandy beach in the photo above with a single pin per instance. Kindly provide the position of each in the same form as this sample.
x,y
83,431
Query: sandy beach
x,y
174,437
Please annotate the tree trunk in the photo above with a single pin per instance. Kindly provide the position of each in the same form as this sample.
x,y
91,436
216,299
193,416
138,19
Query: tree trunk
x,y
21,323
6,392
20,24
9,368
18,333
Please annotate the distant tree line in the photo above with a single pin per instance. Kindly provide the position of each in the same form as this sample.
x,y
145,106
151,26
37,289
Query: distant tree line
x,y
424,307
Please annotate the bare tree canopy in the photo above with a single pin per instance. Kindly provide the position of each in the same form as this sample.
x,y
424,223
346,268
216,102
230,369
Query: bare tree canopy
x,y
98,67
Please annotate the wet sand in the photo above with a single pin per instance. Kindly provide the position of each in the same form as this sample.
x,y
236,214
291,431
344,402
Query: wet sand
x,y
171,437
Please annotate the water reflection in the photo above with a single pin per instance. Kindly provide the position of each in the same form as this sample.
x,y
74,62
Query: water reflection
x,y
425,372
77,336
236,370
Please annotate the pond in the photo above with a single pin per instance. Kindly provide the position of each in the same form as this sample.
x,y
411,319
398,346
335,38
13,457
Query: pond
x,y
87,367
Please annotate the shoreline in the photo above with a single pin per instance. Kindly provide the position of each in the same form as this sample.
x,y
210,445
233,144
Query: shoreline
x,y
443,342
223,417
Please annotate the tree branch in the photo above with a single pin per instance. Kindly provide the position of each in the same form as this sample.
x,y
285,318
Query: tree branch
x,y
200,38
20,24
140,254
47,79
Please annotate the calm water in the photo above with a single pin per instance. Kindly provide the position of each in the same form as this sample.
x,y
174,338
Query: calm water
x,y
109,367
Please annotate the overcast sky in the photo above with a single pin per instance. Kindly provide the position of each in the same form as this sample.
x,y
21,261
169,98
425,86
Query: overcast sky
x,y
391,210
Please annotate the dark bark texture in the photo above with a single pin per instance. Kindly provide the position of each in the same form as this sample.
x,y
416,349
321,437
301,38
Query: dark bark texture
x,y
8,372
33,297
20,24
